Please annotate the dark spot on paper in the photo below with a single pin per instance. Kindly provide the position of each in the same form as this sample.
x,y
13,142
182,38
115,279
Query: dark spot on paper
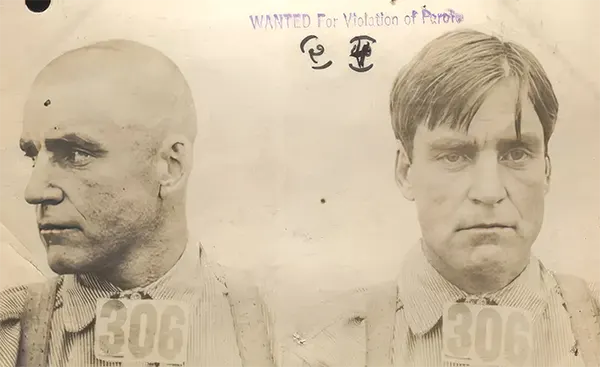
x,y
574,350
356,320
393,2
323,201
47,103
37,6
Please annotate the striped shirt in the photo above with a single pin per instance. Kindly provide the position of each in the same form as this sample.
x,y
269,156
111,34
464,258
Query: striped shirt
x,y
211,338
423,293
400,321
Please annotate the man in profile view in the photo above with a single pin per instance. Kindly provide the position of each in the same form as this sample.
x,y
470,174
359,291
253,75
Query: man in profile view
x,y
110,129
473,116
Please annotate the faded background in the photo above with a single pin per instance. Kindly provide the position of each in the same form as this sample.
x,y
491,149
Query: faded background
x,y
276,137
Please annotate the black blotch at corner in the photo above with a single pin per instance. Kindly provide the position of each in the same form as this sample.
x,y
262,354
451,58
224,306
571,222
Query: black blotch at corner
x,y
37,6
47,103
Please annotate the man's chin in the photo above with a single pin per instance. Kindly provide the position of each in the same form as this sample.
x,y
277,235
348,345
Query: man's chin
x,y
61,268
63,260
487,247
487,255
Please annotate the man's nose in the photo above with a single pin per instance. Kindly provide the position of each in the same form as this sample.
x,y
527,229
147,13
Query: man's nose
x,y
40,189
487,185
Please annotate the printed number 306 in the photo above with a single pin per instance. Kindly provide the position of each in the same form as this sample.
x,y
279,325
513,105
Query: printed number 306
x,y
141,340
482,333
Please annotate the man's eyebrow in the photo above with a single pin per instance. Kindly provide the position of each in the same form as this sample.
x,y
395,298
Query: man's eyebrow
x,y
528,141
74,140
452,144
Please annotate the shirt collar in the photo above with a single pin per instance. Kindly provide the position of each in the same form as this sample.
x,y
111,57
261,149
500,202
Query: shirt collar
x,y
79,293
424,292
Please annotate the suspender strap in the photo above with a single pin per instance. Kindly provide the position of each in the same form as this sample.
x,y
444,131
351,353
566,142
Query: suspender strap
x,y
585,320
380,322
35,324
250,321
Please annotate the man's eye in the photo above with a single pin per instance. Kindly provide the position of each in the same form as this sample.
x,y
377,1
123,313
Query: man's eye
x,y
78,157
453,158
516,155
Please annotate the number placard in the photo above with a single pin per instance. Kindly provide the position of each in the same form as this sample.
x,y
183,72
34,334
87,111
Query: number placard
x,y
149,331
486,335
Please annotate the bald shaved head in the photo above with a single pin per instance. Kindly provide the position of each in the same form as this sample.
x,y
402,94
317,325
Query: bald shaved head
x,y
140,81
110,128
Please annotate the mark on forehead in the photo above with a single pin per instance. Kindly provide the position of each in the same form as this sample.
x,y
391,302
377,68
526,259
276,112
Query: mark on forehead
x,y
47,103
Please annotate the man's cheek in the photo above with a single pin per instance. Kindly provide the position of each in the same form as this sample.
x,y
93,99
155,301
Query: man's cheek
x,y
531,178
531,206
438,195
527,193
99,203
436,212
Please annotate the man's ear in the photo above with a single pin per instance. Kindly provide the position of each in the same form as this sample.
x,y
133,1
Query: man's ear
x,y
403,166
548,174
175,162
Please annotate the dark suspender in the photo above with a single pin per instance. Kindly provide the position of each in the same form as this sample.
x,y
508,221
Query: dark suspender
x,y
247,309
380,323
251,326
585,318
36,323
585,322
250,321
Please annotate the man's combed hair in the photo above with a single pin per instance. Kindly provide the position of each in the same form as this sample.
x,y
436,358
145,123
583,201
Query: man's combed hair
x,y
448,80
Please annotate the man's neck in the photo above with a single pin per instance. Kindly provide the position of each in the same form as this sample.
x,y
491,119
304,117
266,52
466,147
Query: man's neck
x,y
477,280
148,262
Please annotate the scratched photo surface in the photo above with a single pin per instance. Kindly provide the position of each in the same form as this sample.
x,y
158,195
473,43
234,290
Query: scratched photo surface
x,y
293,173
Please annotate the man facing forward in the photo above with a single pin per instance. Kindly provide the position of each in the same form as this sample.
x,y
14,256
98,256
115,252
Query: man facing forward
x,y
473,117
110,130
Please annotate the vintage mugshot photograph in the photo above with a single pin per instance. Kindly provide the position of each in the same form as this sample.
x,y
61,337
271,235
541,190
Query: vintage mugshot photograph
x,y
299,183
